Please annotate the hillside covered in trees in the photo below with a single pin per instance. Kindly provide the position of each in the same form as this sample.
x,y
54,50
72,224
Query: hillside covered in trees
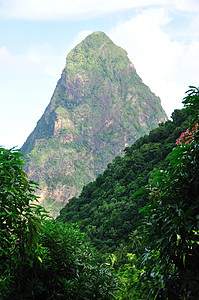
x,y
152,197
107,209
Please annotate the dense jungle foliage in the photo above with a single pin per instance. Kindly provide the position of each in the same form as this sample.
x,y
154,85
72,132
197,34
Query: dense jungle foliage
x,y
158,255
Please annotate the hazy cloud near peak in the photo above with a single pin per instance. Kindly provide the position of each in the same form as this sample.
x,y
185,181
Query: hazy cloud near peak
x,y
67,9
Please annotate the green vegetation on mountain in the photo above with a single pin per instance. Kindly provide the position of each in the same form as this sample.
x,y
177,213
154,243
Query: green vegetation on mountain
x,y
107,209
99,106
157,255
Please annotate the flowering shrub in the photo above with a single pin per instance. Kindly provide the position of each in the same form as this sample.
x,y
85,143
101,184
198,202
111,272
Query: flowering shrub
x,y
169,229
187,135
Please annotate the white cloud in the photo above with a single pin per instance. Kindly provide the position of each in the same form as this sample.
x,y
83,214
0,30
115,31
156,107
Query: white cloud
x,y
186,5
67,9
167,66
50,9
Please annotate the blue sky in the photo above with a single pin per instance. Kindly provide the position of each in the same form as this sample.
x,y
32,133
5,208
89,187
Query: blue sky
x,y
160,36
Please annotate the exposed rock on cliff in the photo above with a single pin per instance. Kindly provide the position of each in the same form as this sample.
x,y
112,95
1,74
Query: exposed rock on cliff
x,y
99,106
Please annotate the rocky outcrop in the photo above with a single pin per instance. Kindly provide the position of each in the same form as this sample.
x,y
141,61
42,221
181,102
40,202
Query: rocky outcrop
x,y
99,106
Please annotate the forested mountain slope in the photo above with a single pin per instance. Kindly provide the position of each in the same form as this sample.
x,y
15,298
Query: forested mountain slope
x,y
107,209
100,106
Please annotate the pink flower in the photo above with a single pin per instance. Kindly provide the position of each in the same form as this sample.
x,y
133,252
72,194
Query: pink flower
x,y
188,136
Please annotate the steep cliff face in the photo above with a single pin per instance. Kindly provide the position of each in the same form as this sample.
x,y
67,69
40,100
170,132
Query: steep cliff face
x,y
99,106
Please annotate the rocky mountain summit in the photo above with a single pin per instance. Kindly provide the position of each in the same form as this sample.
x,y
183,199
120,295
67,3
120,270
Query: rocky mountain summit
x,y
100,106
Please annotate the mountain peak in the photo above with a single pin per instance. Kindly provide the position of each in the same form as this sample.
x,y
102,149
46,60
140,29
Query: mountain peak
x,y
94,44
96,50
97,36
100,106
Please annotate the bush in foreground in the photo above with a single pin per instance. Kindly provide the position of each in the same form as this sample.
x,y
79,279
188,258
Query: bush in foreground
x,y
41,258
